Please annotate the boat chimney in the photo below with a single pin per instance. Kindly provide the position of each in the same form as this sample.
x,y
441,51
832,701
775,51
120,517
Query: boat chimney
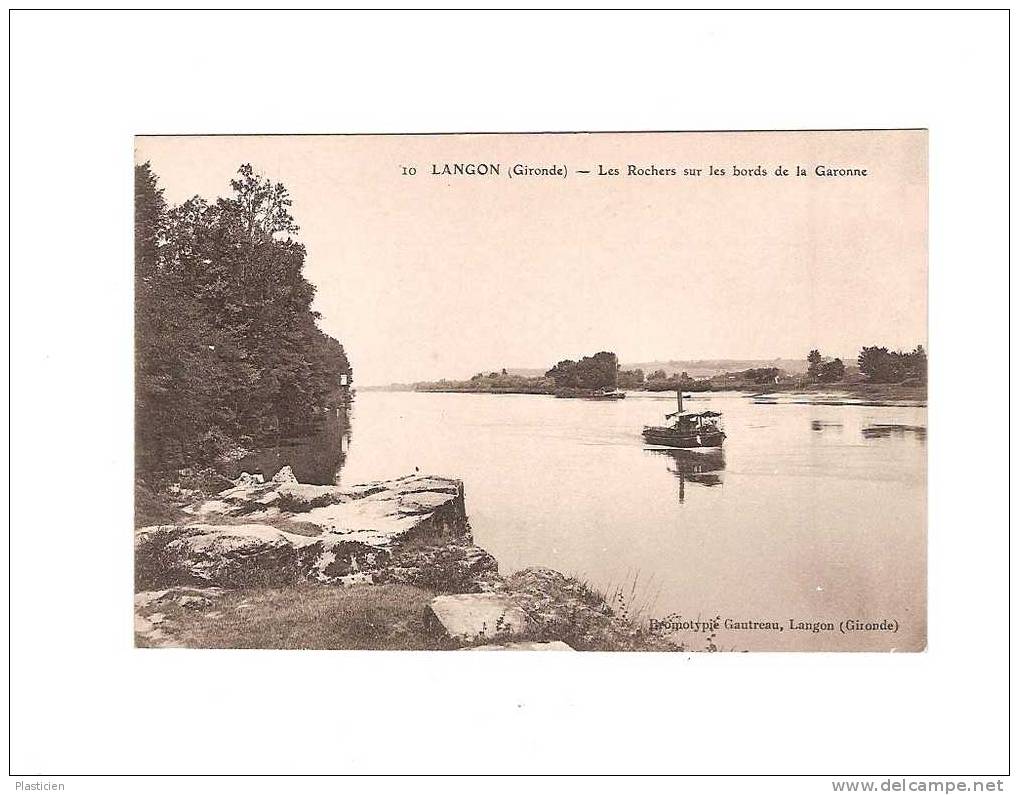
x,y
679,399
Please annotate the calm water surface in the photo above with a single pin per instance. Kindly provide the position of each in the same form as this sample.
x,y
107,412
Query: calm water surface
x,y
811,512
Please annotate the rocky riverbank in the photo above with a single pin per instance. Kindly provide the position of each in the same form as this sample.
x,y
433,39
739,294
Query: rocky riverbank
x,y
388,564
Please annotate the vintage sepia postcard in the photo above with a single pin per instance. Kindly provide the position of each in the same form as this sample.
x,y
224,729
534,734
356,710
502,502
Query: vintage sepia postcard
x,y
657,391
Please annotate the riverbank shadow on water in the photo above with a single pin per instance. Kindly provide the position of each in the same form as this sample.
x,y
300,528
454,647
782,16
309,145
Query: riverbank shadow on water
x,y
316,458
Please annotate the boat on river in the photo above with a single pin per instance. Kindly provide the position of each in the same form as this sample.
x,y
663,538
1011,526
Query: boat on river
x,y
688,429
589,394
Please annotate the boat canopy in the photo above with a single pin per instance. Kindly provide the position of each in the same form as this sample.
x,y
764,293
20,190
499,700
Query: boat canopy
x,y
691,414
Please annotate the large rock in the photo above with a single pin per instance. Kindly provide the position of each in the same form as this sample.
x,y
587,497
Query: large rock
x,y
378,513
420,519
479,616
564,608
446,568
285,475
252,497
371,513
223,555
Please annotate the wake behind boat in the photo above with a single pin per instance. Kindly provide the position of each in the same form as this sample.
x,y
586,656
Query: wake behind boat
x,y
688,429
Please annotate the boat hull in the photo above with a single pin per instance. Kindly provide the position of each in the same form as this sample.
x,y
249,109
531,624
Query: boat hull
x,y
669,437
588,394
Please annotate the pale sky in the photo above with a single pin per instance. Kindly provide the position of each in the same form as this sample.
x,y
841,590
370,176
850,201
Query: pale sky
x,y
423,277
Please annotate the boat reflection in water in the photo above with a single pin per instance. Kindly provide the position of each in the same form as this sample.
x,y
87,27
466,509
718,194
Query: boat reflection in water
x,y
694,466
919,432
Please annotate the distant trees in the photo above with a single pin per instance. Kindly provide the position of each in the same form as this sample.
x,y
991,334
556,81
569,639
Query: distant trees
x,y
760,375
831,371
565,374
227,346
814,362
630,379
591,372
823,369
877,364
882,366
502,382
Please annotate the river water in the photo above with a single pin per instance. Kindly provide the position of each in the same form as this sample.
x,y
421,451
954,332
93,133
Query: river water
x,y
811,514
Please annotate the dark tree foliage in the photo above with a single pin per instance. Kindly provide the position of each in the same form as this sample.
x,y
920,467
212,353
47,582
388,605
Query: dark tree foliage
x,y
892,367
599,371
832,371
630,379
814,361
564,374
821,368
591,372
760,375
227,347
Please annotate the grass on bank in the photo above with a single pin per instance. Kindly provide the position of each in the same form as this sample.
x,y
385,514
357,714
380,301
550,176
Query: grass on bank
x,y
307,616
892,393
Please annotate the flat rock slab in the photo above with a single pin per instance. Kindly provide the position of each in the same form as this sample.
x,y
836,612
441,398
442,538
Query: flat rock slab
x,y
552,645
376,514
371,521
373,514
479,616
361,529
239,538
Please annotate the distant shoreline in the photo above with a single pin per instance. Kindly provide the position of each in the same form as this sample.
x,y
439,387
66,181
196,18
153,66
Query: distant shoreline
x,y
880,394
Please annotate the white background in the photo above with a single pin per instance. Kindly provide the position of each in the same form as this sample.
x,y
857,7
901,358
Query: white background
x,y
83,700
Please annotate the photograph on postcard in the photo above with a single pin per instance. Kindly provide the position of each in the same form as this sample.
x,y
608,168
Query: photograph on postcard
x,y
649,391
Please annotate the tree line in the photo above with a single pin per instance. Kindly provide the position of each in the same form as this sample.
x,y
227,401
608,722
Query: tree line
x,y
877,364
827,371
228,353
602,371
892,367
